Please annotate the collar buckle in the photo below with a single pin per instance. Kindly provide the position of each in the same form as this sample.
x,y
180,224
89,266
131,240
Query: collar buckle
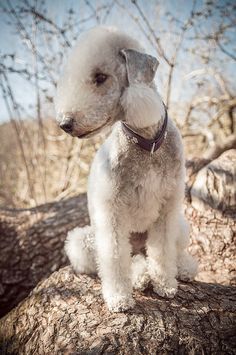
x,y
153,148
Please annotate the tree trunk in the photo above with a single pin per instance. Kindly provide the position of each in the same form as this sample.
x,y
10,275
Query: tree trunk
x,y
214,185
212,211
65,314
31,244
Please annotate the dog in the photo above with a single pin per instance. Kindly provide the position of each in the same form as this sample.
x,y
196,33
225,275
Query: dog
x,y
136,183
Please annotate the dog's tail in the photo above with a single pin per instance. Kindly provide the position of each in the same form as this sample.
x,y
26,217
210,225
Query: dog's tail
x,y
80,249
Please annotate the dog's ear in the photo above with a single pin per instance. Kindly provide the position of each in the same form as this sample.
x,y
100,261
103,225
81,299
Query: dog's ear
x,y
141,67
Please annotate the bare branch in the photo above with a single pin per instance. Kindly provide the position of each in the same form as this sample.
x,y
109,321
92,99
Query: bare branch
x,y
155,37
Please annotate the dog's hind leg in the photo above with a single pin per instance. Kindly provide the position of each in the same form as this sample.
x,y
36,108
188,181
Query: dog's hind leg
x,y
80,249
186,264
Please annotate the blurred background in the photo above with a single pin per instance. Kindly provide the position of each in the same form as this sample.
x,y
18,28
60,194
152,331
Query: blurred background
x,y
194,40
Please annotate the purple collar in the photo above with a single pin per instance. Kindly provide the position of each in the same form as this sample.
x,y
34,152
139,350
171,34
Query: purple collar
x,y
151,145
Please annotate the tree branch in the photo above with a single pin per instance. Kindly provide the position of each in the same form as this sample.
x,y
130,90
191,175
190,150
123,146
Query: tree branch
x,y
65,314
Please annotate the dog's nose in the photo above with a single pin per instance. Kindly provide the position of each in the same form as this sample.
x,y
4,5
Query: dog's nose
x,y
67,125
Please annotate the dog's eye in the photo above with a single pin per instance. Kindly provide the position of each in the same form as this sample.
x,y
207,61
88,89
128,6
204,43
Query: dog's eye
x,y
100,78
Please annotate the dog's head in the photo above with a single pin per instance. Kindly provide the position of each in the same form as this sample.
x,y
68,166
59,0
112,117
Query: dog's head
x,y
92,92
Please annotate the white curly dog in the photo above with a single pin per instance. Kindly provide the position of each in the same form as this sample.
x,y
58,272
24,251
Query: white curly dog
x,y
136,182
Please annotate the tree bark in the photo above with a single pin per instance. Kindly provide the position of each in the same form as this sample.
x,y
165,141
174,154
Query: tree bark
x,y
65,314
213,243
31,244
212,211
214,185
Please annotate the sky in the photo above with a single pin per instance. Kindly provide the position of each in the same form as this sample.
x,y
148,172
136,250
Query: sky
x,y
155,11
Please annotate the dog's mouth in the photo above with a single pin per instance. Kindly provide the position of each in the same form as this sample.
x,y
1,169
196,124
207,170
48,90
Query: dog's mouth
x,y
95,131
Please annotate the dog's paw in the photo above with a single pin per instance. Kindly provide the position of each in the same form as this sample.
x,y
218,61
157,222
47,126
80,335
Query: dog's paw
x,y
141,281
118,303
165,288
187,267
140,276
186,276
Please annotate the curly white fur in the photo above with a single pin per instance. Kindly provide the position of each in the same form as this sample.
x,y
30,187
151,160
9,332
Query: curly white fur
x,y
129,191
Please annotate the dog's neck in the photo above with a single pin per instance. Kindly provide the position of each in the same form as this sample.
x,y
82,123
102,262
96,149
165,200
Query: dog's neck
x,y
144,110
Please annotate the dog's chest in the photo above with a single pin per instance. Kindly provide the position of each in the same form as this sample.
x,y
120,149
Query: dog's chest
x,y
142,184
143,197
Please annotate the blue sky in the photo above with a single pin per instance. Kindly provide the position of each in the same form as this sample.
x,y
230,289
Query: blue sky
x,y
155,11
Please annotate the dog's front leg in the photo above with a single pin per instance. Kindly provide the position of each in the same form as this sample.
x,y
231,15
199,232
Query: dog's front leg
x,y
114,264
161,251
